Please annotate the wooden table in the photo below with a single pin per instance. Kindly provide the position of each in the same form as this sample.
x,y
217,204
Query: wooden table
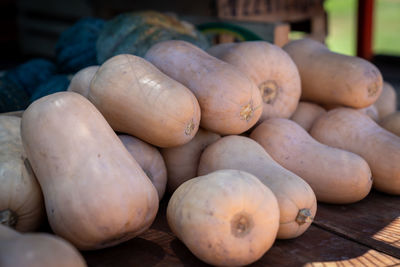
x,y
363,234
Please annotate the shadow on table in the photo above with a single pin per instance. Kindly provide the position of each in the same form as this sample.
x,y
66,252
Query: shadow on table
x,y
336,238
374,221
135,252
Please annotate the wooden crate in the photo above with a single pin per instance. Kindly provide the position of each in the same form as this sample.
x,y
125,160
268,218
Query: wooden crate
x,y
42,21
290,11
273,32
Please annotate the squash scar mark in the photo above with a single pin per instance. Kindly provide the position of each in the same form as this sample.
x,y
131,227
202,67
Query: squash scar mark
x,y
269,91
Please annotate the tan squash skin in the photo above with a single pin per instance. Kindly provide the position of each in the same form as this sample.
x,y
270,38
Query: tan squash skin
x,y
370,111
149,159
347,129
391,123
80,83
96,195
335,175
225,218
296,199
138,99
21,199
387,101
230,102
331,78
36,250
271,69
182,161
306,113
17,113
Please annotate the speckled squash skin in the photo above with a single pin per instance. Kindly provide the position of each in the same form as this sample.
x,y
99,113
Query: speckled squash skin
x,y
351,130
271,69
336,176
225,218
332,78
138,99
96,195
296,199
36,250
21,199
230,102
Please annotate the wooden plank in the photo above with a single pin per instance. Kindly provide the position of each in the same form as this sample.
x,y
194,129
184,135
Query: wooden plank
x,y
268,10
374,221
316,247
365,13
281,34
318,27
274,32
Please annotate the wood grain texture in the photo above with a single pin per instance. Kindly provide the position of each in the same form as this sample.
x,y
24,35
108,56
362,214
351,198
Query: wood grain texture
x,y
374,221
316,247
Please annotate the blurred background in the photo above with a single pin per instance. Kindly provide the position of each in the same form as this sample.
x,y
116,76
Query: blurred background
x,y
31,29
342,26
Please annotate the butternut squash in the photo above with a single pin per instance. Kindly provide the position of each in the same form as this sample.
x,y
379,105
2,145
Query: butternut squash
x,y
296,199
225,218
149,159
21,199
387,101
347,129
182,161
80,83
230,102
336,176
271,69
138,99
306,113
332,78
96,195
36,250
391,123
370,111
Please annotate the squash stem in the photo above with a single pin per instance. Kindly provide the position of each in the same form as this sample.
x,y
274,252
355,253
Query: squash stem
x,y
304,216
189,128
247,111
8,217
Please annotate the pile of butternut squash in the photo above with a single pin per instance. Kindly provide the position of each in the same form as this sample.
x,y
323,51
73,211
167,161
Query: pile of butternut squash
x,y
245,138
